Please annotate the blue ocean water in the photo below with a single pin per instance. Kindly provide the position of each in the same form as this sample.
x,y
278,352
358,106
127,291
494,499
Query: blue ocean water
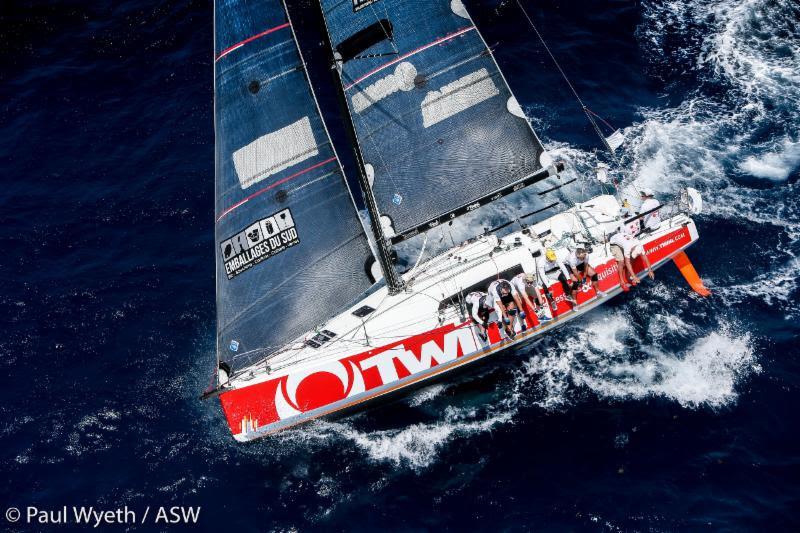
x,y
661,411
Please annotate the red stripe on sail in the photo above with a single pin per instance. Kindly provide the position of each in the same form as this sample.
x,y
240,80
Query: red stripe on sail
x,y
265,189
250,39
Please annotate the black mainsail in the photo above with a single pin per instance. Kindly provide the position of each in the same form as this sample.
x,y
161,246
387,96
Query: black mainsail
x,y
438,127
291,249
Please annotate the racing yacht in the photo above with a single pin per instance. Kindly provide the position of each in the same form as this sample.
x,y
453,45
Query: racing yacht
x,y
314,315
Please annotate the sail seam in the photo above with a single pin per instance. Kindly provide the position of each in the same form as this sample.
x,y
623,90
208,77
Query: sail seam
x,y
481,201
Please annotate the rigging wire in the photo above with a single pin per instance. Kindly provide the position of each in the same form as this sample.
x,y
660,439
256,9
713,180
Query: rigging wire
x,y
588,112
585,109
624,186
378,21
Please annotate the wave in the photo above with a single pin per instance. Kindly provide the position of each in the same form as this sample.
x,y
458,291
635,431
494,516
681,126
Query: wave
x,y
777,165
719,140
417,446
752,49
609,358
755,45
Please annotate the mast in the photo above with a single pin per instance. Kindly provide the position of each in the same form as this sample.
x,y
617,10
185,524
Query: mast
x,y
394,282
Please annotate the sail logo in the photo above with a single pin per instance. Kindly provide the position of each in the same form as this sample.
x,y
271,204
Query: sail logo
x,y
402,79
361,4
259,241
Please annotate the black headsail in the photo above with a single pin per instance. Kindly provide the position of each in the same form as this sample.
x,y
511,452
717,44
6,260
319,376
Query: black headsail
x,y
291,250
437,125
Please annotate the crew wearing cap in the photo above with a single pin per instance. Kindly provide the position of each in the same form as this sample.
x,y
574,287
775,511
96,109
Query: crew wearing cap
x,y
525,285
480,310
627,211
624,248
578,262
542,282
650,221
509,304
553,264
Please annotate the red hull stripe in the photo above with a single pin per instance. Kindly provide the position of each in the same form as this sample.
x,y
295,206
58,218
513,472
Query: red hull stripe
x,y
268,187
250,39
411,53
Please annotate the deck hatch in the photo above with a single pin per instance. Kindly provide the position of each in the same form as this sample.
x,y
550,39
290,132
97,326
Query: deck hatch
x,y
320,338
363,311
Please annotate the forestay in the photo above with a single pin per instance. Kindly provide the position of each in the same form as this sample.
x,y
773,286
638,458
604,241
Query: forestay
x,y
291,250
436,122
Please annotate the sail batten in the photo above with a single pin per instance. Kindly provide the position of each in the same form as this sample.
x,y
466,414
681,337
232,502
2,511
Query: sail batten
x,y
436,122
291,248
408,55
480,202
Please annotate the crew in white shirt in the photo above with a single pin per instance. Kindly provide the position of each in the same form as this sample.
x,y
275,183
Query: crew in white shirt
x,y
525,285
627,211
480,309
578,262
542,282
650,221
509,304
625,247
569,282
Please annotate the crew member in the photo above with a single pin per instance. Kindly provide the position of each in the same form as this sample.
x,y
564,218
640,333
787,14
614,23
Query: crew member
x,y
624,248
650,221
569,282
526,286
508,302
542,283
627,211
578,261
479,310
